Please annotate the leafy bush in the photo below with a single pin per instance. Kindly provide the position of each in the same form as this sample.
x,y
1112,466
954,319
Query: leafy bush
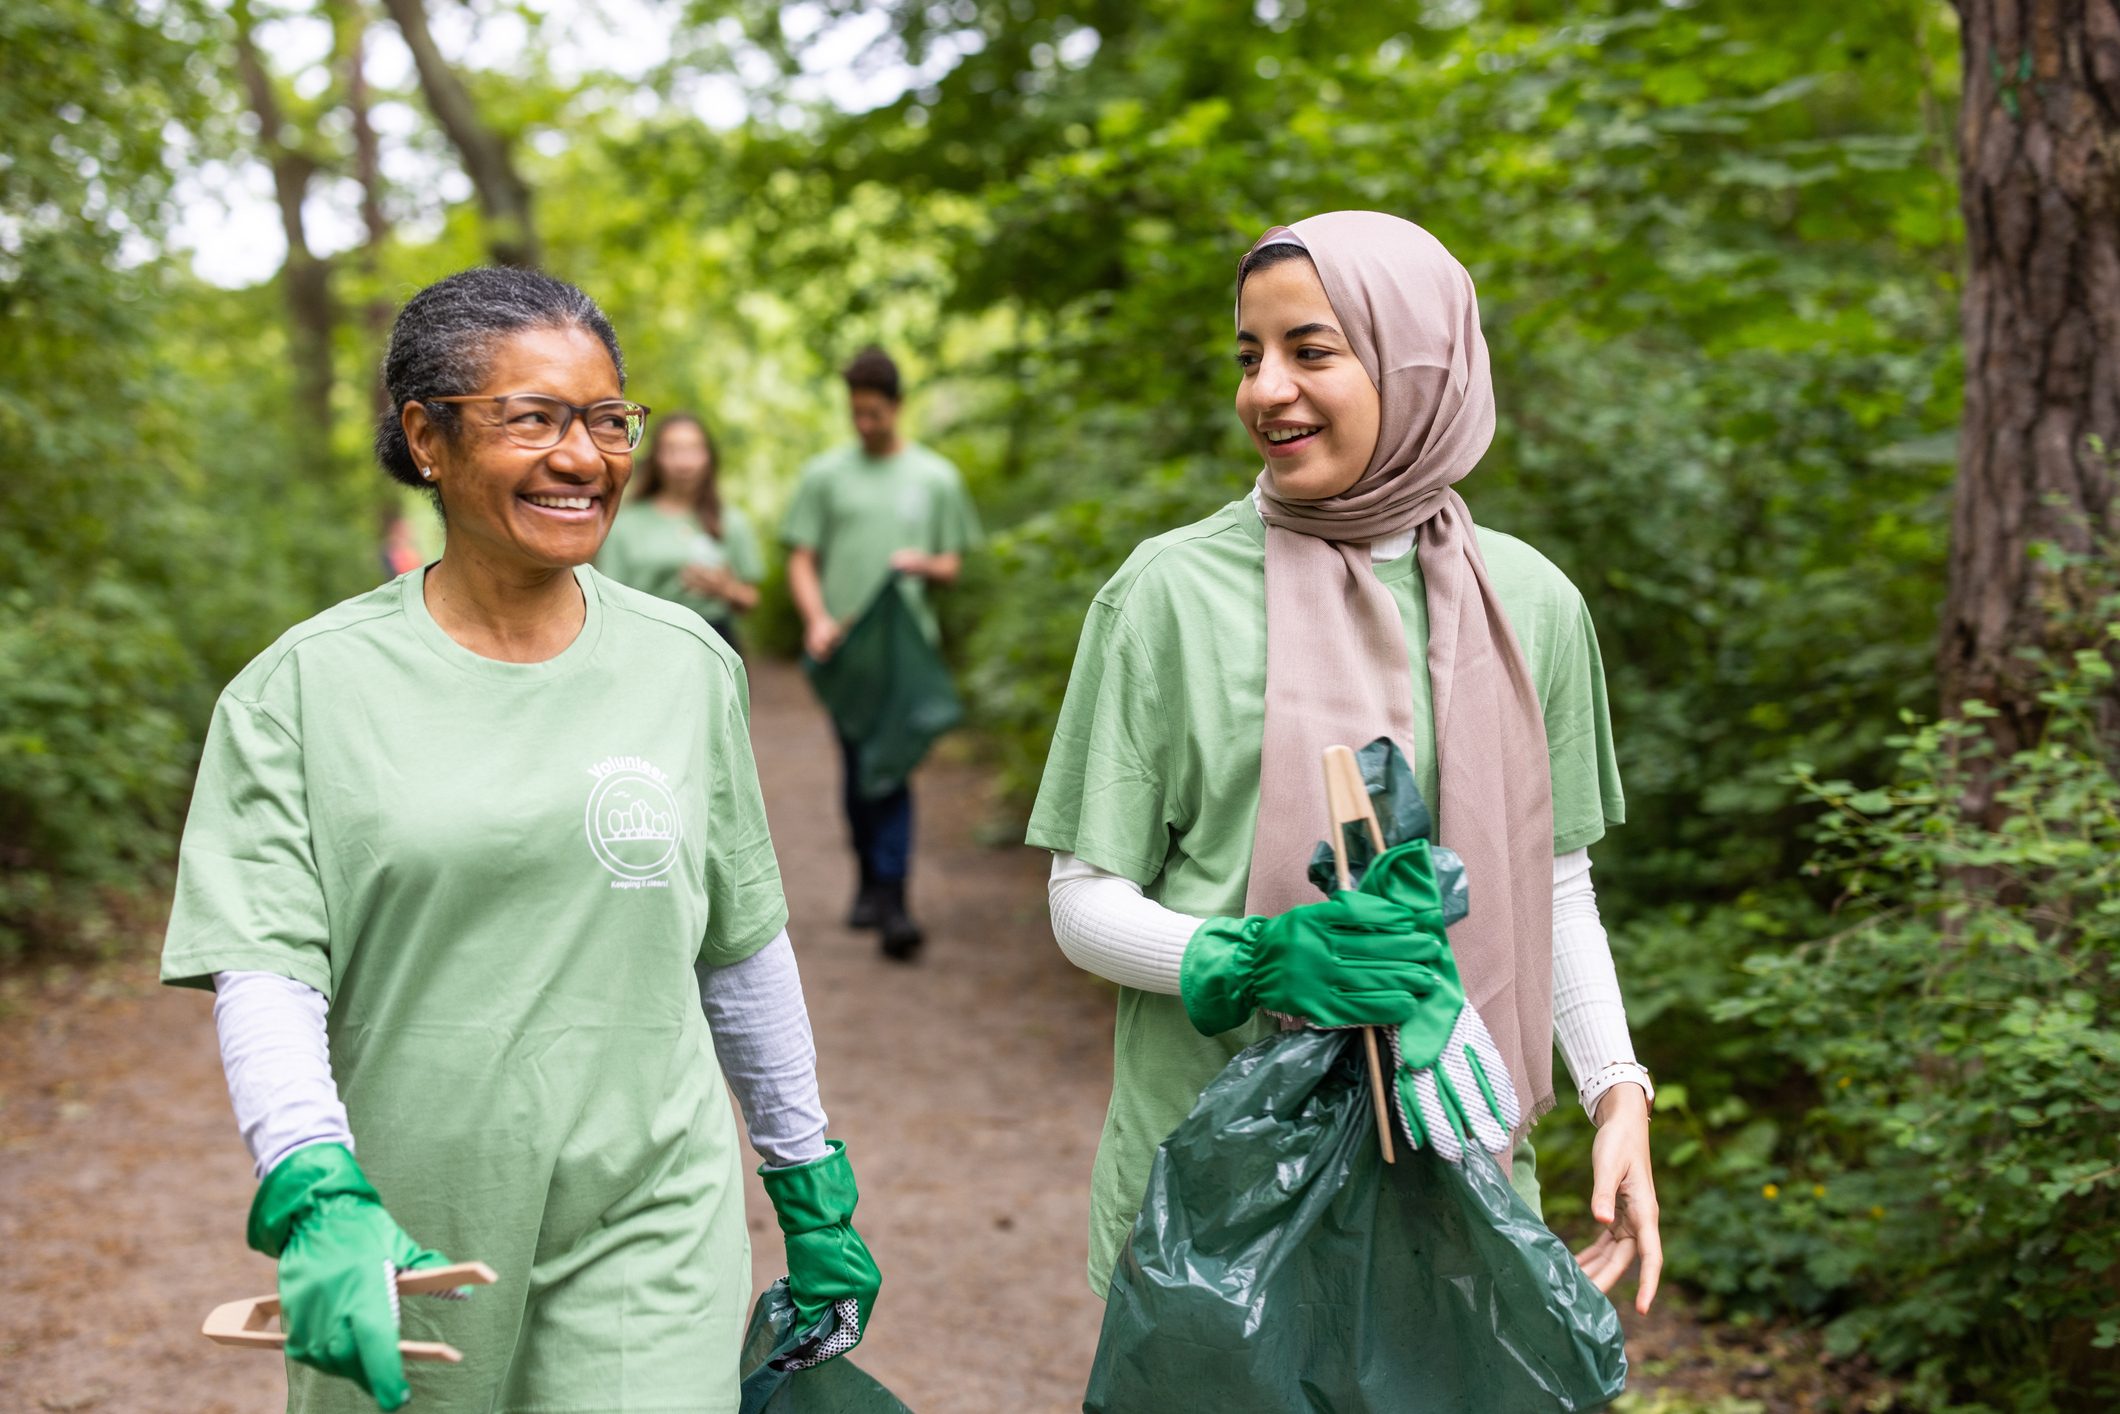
x,y
94,762
154,531
1951,1199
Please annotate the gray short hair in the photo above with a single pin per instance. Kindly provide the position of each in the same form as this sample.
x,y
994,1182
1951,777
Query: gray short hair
x,y
445,336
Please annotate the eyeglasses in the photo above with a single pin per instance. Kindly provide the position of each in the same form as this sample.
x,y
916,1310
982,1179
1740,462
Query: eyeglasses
x,y
538,420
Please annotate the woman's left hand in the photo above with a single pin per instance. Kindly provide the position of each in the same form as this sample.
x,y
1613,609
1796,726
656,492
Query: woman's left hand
x,y
1623,1197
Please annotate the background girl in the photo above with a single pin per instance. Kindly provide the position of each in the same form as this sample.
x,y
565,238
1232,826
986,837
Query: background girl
x,y
676,537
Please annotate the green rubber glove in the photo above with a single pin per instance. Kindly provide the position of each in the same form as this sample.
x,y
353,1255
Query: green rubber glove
x,y
339,1255
1454,1088
830,1271
1356,959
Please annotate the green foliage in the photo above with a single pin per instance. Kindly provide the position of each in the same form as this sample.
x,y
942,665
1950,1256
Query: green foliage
x,y
1951,1197
1716,246
153,534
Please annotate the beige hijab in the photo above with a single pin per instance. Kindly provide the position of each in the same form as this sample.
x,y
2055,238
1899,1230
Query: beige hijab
x,y
1336,666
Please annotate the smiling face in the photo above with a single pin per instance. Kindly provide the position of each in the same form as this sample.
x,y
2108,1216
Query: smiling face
x,y
1304,397
517,507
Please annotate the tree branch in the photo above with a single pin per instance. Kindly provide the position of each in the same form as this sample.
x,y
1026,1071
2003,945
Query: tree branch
x,y
503,197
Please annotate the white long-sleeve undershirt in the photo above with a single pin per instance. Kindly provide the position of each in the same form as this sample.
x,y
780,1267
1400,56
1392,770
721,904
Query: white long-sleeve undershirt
x,y
276,1055
762,1038
1107,925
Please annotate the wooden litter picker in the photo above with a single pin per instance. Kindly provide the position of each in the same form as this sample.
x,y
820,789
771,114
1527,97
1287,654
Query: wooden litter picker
x,y
248,1324
1347,802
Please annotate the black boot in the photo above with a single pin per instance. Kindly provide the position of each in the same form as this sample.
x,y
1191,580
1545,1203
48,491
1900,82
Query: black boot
x,y
901,935
867,910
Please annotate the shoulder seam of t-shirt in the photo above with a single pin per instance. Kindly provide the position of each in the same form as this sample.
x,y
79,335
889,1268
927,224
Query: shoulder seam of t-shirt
x,y
616,596
308,631
1554,574
1192,534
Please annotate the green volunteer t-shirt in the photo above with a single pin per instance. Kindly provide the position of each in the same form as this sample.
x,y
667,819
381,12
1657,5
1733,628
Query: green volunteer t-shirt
x,y
501,875
647,547
1154,775
856,511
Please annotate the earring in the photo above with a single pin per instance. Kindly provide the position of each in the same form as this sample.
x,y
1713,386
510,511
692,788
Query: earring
x,y
428,472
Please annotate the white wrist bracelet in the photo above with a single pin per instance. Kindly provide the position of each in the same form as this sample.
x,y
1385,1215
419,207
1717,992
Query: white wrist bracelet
x,y
1617,1073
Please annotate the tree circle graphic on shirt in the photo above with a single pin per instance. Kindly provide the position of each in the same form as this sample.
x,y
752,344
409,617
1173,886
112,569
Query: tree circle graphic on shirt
x,y
633,825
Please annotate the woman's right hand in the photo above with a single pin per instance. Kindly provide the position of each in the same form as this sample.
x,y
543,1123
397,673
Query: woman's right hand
x,y
339,1253
820,636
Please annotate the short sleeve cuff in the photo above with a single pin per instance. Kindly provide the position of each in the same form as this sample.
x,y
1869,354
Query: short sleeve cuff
x,y
1126,864
769,925
197,969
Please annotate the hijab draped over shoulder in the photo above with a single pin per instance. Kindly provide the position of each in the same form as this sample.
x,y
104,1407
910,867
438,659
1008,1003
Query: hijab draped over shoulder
x,y
1336,661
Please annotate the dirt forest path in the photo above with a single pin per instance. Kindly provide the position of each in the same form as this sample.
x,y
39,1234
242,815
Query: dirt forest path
x,y
969,1088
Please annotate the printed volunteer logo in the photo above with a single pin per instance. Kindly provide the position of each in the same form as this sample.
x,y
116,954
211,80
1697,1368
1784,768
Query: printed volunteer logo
x,y
633,824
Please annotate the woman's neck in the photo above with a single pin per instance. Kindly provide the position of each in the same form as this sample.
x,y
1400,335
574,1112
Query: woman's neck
x,y
511,614
675,503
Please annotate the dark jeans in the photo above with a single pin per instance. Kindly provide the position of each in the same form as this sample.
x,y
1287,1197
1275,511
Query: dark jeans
x,y
882,828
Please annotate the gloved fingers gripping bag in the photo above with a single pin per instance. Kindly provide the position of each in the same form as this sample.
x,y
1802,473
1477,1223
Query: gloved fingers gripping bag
x,y
887,690
1278,1267
774,1345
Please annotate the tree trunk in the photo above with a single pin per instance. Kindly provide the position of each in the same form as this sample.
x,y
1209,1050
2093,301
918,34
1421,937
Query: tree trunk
x,y
503,198
2039,157
350,29
305,278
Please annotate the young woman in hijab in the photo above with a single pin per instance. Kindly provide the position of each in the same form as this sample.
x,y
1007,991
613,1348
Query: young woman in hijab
x,y
477,869
1349,596
676,538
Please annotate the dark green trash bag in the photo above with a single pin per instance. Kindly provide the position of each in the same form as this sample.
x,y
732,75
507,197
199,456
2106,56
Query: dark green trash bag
x,y
1279,1267
887,690
835,1387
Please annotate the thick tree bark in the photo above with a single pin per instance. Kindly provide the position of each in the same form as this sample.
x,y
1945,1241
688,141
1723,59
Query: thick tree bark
x,y
305,278
503,197
2039,153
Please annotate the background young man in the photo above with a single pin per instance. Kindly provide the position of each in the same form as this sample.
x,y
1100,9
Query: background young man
x,y
861,512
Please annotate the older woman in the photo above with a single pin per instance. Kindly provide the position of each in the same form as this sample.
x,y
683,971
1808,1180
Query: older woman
x,y
1349,596
466,855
